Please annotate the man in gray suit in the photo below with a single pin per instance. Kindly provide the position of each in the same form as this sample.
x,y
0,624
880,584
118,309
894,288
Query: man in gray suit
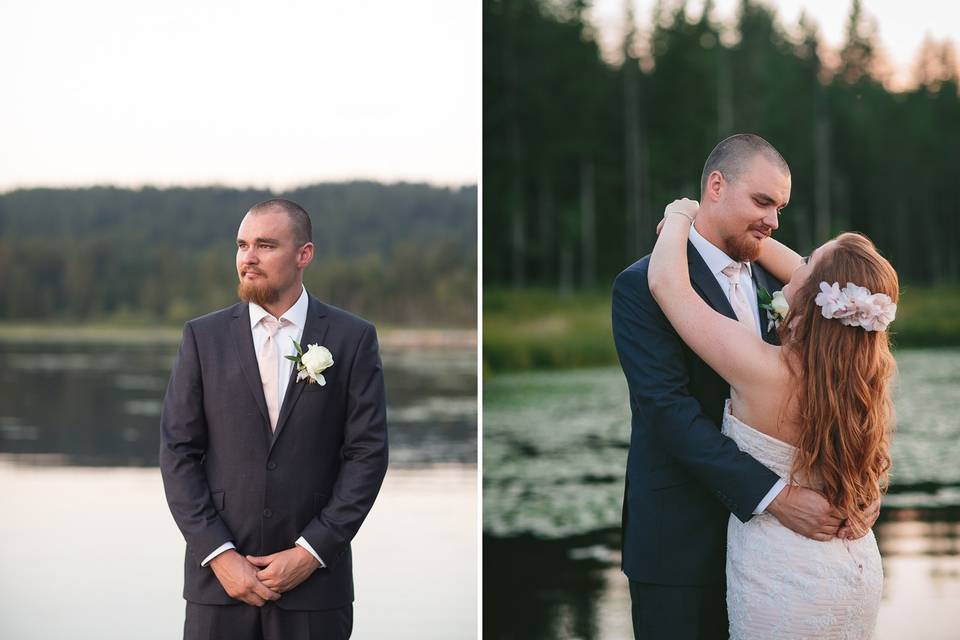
x,y
269,469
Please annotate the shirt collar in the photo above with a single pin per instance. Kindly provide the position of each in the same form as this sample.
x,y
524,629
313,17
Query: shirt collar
x,y
296,315
716,259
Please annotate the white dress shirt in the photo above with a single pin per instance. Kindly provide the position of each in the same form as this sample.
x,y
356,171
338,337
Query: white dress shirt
x,y
296,317
717,261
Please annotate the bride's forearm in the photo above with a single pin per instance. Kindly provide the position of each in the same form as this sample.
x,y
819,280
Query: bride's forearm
x,y
778,259
668,263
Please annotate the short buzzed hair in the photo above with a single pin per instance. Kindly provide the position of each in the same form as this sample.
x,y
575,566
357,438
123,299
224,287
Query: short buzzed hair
x,y
733,154
299,218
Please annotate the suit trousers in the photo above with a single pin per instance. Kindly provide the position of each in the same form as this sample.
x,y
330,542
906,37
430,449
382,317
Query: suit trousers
x,y
666,612
269,622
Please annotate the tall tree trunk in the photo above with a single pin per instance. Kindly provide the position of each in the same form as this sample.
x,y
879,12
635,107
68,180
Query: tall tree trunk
x,y
932,242
802,228
952,253
724,93
547,222
901,221
588,224
516,210
647,231
566,268
518,242
632,158
821,180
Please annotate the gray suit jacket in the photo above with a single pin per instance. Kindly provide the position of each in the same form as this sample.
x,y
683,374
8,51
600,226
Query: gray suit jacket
x,y
227,477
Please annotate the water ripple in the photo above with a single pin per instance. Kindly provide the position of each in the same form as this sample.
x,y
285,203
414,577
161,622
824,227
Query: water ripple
x,y
555,445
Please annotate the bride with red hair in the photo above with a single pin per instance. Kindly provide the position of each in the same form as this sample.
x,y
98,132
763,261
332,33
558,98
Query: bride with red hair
x,y
816,410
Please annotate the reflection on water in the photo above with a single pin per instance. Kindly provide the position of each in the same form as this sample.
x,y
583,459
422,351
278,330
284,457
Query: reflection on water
x,y
99,404
555,447
85,521
573,587
540,588
92,553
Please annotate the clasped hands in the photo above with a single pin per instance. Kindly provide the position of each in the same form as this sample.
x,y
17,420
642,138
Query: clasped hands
x,y
257,580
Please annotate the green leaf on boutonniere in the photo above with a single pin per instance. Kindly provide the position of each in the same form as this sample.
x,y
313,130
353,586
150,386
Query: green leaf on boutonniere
x,y
296,358
765,298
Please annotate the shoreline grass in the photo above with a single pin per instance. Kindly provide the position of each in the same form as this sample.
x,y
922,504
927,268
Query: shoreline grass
x,y
390,336
544,329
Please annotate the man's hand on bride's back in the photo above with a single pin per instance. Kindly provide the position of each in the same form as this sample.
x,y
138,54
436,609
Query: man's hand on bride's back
x,y
807,512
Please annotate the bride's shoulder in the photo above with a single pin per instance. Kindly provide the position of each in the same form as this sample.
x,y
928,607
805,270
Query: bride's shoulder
x,y
779,363
769,367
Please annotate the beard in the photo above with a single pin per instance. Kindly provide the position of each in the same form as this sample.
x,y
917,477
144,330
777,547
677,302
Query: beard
x,y
744,247
257,292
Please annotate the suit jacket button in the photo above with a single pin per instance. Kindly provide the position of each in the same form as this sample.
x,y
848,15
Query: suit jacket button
x,y
267,513
271,465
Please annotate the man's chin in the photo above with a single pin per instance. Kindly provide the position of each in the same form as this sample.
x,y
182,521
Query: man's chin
x,y
744,248
261,295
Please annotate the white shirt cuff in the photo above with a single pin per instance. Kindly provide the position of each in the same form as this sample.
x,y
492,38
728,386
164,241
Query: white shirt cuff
x,y
225,546
306,545
767,499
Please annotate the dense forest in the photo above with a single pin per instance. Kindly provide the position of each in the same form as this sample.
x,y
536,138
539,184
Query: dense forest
x,y
581,154
399,253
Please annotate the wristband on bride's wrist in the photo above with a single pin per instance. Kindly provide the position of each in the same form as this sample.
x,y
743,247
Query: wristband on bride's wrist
x,y
679,213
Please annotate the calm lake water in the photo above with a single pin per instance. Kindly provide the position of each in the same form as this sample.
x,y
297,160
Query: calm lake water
x,y
86,521
555,450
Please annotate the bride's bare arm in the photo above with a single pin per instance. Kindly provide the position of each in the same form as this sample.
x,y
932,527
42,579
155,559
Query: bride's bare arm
x,y
778,259
729,347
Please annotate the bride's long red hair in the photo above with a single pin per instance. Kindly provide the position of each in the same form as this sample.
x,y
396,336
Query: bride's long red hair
x,y
843,377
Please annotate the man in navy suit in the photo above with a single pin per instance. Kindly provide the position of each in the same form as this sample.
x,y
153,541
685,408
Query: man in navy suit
x,y
270,471
684,477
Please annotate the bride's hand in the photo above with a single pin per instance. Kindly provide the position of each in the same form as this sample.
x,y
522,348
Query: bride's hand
x,y
870,515
684,206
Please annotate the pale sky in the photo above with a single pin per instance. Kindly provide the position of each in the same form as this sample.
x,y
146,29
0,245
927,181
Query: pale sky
x,y
267,94
902,24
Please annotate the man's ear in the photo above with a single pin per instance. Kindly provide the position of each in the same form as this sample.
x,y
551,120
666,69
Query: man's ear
x,y
305,255
715,186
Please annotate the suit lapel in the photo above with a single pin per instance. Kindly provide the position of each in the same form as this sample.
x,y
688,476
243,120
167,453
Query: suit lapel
x,y
762,279
706,284
314,332
243,341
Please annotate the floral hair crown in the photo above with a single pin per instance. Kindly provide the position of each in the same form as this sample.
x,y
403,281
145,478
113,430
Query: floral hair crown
x,y
855,306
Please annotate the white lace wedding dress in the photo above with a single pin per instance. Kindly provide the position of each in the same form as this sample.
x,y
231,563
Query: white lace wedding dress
x,y
782,585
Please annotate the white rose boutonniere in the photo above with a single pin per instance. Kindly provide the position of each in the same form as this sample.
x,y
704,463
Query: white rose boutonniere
x,y
775,305
311,364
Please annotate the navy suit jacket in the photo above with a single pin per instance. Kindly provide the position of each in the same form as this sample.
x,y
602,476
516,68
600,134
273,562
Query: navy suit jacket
x,y
228,477
684,477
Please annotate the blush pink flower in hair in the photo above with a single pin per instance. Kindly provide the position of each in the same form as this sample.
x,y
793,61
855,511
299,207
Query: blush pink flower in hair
x,y
831,300
855,306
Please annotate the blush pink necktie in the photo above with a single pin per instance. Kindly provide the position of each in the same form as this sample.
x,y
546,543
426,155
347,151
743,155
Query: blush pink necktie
x,y
269,365
738,299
